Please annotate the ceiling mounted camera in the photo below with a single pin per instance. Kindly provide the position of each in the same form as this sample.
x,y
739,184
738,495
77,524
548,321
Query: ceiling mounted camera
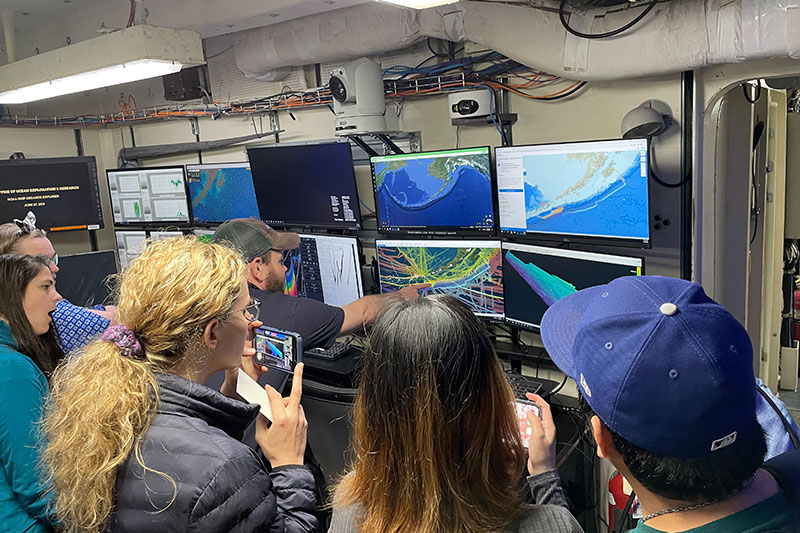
x,y
358,98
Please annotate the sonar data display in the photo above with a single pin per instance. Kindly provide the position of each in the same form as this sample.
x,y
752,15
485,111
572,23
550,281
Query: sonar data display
x,y
535,277
469,270
221,191
592,189
434,192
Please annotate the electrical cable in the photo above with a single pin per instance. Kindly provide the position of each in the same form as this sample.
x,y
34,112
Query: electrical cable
x,y
219,53
561,386
758,131
563,18
756,96
658,180
492,111
369,211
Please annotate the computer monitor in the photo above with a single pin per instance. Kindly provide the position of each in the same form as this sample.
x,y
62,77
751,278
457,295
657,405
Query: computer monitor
x,y
130,245
325,268
204,235
62,192
444,192
142,195
535,277
469,270
220,192
595,189
307,185
84,279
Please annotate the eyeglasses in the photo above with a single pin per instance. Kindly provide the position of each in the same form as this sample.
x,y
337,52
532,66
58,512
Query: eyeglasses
x,y
49,260
252,311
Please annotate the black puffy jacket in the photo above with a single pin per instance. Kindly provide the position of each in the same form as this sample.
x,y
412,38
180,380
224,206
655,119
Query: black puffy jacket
x,y
215,482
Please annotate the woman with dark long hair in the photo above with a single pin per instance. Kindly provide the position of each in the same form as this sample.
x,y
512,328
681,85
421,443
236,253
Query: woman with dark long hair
x,y
436,442
29,352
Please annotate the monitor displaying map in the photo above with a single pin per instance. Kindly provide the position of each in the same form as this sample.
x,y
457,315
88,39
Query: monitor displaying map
x,y
535,277
587,189
469,270
445,192
220,192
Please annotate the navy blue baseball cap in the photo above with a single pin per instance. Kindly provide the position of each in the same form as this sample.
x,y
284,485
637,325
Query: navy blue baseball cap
x,y
663,365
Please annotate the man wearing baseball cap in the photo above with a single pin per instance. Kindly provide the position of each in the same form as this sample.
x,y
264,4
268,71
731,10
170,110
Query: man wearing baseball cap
x,y
319,324
665,376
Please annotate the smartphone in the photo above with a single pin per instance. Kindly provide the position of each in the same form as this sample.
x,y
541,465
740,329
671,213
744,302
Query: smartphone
x,y
522,408
276,348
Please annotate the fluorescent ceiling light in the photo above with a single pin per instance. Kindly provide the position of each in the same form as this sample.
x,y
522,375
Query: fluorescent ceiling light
x,y
127,55
419,4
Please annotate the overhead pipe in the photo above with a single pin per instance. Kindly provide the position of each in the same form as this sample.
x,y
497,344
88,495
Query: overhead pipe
x,y
9,34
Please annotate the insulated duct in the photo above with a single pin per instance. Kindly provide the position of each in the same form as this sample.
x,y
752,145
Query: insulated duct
x,y
676,36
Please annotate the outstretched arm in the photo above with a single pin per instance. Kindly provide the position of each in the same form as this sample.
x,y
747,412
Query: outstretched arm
x,y
363,311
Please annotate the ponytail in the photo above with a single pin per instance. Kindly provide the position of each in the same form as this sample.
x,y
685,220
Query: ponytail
x,y
101,404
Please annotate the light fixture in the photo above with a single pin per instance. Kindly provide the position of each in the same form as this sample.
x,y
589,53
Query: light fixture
x,y
651,118
419,4
123,56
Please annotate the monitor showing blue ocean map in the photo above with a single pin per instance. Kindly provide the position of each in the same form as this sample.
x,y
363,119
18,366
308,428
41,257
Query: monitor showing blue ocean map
x,y
220,192
585,189
434,192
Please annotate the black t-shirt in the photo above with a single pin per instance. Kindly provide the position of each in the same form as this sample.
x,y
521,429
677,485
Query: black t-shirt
x,y
318,323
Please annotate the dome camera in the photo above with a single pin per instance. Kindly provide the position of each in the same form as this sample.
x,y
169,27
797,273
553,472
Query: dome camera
x,y
358,98
651,118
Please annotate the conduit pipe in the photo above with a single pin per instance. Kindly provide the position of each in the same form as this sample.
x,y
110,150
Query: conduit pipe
x,y
676,36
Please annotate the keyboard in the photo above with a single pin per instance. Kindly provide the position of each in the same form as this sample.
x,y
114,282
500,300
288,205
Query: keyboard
x,y
521,384
334,352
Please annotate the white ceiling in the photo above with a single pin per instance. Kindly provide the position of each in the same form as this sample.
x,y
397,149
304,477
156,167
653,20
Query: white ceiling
x,y
81,18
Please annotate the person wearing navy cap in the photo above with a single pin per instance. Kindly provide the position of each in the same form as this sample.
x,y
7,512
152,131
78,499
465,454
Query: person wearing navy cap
x,y
665,376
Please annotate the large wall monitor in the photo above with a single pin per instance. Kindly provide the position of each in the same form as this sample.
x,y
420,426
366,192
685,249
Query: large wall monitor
x,y
62,192
469,270
535,277
221,192
141,195
445,192
326,269
308,185
595,189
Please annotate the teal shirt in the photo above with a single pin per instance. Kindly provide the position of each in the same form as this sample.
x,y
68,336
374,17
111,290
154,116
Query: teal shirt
x,y
23,392
772,515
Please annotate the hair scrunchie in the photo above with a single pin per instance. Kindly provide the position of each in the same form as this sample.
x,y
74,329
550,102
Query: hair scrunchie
x,y
124,339
27,224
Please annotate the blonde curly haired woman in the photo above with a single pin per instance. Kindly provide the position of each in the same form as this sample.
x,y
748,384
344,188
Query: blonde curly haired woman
x,y
138,443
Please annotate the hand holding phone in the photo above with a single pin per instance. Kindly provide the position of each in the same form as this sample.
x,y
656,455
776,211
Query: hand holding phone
x,y
522,407
542,443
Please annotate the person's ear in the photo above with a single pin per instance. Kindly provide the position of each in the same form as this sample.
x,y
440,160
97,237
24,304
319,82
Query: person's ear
x,y
211,334
602,436
257,268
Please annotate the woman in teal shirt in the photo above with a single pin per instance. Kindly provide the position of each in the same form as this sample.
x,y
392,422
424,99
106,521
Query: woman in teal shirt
x,y
29,351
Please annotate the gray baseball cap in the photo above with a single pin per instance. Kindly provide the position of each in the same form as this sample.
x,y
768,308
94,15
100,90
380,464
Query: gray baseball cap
x,y
252,238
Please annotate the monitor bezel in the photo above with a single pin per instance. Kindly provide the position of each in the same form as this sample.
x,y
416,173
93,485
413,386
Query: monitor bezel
x,y
505,245
91,163
431,243
440,231
356,206
153,223
212,224
566,238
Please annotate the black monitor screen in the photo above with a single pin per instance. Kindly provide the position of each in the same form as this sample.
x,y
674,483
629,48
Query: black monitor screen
x,y
142,195
220,192
469,270
63,193
535,277
445,192
594,189
310,185
326,269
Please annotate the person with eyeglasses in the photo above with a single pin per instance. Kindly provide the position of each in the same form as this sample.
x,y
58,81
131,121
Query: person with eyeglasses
x,y
76,326
135,439
264,250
